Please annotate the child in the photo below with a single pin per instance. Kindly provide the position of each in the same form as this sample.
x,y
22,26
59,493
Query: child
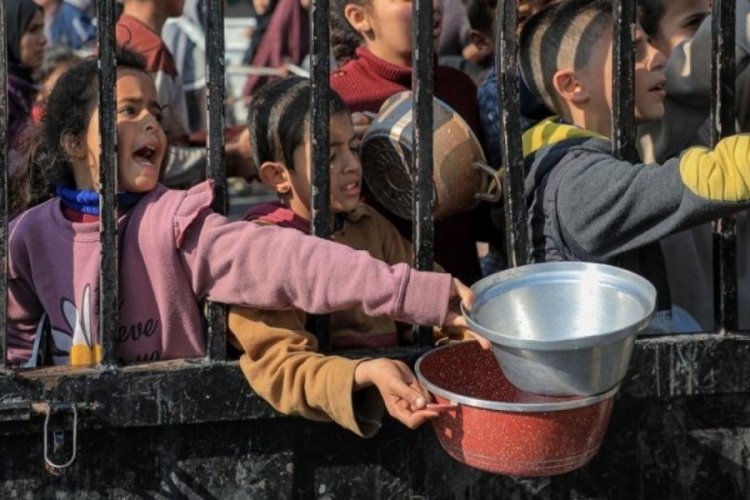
x,y
175,252
481,15
278,353
139,29
583,204
371,41
682,30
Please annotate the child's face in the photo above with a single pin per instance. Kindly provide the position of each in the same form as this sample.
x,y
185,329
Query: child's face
x,y
141,143
387,29
680,21
346,170
649,81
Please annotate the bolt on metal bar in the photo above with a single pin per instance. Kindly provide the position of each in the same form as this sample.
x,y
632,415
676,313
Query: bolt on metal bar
x,y
511,148
109,269
423,228
3,188
623,89
319,135
216,314
723,74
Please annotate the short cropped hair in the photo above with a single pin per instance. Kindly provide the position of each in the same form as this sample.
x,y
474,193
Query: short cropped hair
x,y
279,118
561,37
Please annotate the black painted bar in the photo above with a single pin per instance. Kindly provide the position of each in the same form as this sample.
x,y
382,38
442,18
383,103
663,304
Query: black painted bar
x,y
216,314
623,90
511,147
423,228
320,195
109,269
3,188
722,119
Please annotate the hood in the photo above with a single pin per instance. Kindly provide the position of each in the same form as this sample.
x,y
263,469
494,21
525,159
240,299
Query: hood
x,y
551,131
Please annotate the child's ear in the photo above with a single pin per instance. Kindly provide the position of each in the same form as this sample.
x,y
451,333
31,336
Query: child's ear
x,y
73,146
357,18
568,87
276,176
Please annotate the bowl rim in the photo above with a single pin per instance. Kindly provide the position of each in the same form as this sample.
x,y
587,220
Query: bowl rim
x,y
638,286
569,404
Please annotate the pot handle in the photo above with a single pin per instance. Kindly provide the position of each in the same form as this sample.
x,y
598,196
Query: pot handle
x,y
495,189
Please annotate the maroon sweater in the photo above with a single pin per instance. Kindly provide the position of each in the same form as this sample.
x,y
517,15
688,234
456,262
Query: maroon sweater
x,y
365,83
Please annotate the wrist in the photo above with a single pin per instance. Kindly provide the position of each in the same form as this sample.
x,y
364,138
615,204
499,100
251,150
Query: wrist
x,y
363,375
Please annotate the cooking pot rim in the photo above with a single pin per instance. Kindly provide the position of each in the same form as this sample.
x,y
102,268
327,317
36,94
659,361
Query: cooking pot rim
x,y
637,285
569,404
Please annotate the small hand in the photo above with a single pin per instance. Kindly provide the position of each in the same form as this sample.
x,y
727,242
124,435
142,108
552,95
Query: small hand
x,y
455,323
404,398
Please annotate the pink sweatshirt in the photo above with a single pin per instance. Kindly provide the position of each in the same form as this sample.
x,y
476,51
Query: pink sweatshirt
x,y
175,252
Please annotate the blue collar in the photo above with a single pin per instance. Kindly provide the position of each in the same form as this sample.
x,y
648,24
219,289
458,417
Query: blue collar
x,y
87,202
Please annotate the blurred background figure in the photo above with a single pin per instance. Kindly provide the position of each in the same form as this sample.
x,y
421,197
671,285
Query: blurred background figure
x,y
66,24
24,31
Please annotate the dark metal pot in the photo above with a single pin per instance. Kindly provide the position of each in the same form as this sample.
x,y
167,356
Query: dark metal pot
x,y
460,174
501,429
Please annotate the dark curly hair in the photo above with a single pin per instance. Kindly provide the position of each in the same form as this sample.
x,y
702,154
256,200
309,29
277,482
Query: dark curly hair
x,y
344,39
67,112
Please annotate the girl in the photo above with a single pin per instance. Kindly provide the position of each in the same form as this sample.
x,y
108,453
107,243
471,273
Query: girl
x,y
371,41
278,352
175,252
24,31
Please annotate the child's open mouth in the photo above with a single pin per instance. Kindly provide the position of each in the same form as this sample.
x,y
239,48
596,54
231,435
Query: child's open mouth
x,y
351,189
146,156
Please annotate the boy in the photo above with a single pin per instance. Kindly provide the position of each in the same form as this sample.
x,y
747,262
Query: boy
x,y
582,203
279,357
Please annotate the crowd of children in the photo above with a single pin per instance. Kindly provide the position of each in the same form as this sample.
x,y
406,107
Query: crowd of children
x,y
582,203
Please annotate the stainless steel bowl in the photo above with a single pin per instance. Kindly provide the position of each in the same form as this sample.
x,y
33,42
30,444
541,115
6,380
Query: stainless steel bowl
x,y
562,328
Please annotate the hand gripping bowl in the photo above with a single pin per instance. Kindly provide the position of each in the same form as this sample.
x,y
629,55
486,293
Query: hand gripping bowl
x,y
460,175
562,328
501,429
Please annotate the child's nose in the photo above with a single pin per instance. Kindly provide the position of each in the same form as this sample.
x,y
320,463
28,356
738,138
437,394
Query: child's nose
x,y
657,59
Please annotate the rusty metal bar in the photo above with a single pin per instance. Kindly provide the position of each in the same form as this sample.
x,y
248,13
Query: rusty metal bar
x,y
623,90
3,188
319,108
216,314
109,273
722,119
511,148
423,193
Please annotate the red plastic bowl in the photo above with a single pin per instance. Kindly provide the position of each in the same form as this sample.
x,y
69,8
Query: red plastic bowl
x,y
501,429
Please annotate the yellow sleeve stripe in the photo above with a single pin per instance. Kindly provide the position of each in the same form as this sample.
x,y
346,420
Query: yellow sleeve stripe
x,y
721,174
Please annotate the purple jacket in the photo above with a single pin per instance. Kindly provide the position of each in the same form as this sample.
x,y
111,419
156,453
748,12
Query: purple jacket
x,y
174,253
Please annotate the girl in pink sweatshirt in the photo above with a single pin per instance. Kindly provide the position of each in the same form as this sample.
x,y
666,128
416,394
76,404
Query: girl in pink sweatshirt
x,y
175,252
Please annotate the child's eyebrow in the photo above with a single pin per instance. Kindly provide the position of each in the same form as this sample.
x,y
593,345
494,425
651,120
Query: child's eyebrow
x,y
136,100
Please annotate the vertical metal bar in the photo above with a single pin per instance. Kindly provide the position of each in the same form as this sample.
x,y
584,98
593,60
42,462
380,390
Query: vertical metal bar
x,y
320,119
3,188
423,228
722,118
511,148
216,314
109,289
623,100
